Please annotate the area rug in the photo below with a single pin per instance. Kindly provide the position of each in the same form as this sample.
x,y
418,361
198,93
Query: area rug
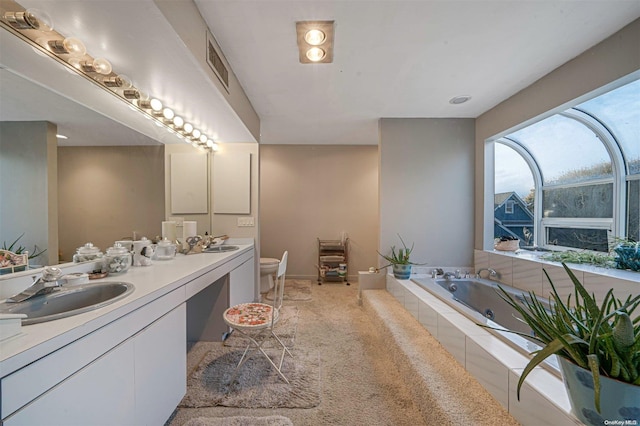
x,y
285,328
240,421
257,383
294,290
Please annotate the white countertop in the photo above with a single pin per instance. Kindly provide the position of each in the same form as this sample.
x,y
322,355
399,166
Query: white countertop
x,y
151,282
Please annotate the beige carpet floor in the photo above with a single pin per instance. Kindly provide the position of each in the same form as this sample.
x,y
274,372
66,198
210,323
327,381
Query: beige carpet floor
x,y
294,290
361,385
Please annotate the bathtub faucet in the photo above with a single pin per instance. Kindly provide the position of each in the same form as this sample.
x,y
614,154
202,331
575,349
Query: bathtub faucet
x,y
451,275
492,273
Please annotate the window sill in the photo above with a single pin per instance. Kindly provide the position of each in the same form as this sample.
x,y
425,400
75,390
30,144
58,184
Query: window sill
x,y
592,269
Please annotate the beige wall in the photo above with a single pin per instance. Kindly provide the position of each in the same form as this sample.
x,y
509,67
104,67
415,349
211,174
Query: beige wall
x,y
426,188
107,193
311,191
611,61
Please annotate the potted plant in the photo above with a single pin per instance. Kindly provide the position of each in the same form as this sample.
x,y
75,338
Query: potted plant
x,y
598,348
15,258
627,255
399,261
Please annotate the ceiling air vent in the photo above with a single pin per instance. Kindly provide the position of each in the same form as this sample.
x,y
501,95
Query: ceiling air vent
x,y
216,61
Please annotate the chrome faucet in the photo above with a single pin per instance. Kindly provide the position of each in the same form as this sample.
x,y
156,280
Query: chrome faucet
x,y
492,273
436,272
51,279
451,275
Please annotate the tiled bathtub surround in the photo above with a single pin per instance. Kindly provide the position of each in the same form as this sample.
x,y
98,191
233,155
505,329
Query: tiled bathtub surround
x,y
524,271
495,364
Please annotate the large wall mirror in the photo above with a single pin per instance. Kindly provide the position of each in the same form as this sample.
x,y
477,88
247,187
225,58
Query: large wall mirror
x,y
110,178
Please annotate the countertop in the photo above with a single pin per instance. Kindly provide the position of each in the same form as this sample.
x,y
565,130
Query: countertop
x,y
151,282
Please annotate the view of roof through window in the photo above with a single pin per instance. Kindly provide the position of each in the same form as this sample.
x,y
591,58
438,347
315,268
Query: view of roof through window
x,y
587,162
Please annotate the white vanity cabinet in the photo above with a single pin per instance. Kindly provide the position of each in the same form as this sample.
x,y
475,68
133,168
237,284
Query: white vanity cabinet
x,y
127,365
139,381
69,403
241,283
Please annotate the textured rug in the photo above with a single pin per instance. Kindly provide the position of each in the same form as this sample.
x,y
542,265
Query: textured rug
x,y
295,290
285,329
240,421
257,383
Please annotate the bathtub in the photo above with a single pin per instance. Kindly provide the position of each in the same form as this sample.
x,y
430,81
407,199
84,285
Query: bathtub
x,y
479,300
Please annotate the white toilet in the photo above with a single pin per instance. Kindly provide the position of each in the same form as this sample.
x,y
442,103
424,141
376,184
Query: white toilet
x,y
268,267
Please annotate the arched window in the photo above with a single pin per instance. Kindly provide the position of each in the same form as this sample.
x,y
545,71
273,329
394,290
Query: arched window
x,y
584,168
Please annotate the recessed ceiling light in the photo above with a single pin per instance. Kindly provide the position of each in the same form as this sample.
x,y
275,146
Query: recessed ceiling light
x,y
310,35
315,54
459,99
315,37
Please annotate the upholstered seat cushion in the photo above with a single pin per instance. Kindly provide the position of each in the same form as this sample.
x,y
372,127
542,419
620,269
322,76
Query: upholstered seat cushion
x,y
249,315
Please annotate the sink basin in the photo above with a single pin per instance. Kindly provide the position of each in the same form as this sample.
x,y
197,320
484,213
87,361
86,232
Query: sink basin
x,y
220,249
68,301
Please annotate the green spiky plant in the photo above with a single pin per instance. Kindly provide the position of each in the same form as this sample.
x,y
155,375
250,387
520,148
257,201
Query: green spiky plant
x,y
602,339
399,257
21,249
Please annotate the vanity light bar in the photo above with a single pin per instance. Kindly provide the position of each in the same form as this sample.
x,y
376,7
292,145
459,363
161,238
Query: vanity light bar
x,y
35,27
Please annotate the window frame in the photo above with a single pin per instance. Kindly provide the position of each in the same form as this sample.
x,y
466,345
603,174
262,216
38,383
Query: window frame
x,y
617,224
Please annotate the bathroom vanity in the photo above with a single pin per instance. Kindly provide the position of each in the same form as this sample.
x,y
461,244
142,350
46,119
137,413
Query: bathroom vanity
x,y
124,363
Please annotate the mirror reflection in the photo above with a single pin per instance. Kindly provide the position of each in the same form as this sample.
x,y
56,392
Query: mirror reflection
x,y
97,181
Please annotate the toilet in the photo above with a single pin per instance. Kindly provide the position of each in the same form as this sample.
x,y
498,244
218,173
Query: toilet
x,y
268,267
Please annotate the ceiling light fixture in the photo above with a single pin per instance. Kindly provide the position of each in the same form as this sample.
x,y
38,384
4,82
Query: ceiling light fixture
x,y
315,37
36,28
30,19
310,36
69,46
315,54
457,100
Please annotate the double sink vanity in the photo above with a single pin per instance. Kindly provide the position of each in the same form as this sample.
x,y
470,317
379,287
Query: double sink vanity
x,y
123,362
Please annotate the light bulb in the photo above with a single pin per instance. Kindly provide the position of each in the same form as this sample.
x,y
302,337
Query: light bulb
x,y
102,66
168,113
210,143
203,138
188,128
315,37
99,65
30,19
178,122
196,133
215,146
156,105
315,54
69,46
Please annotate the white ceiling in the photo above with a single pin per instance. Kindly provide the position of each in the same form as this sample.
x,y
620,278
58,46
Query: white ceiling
x,y
392,59
398,58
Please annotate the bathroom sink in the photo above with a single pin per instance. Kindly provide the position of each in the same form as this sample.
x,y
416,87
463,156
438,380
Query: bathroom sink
x,y
220,249
68,301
